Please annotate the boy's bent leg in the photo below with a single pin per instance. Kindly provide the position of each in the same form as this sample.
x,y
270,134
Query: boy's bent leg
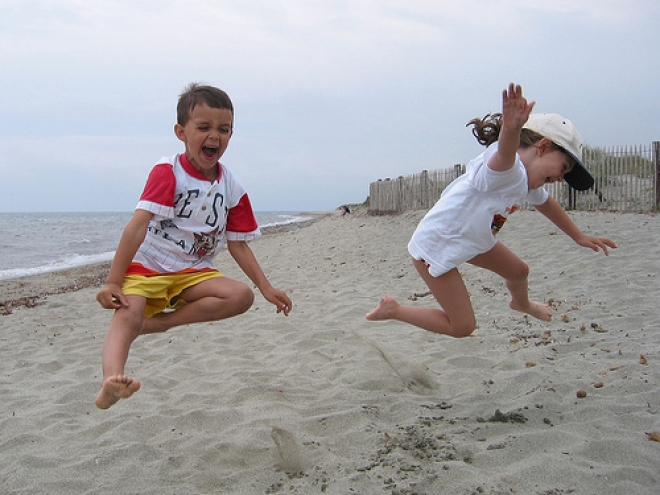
x,y
124,328
210,300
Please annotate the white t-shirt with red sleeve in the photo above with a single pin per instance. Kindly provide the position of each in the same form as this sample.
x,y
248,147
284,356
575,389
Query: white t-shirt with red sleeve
x,y
193,218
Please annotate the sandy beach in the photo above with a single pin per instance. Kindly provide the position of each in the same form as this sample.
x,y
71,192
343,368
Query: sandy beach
x,y
327,402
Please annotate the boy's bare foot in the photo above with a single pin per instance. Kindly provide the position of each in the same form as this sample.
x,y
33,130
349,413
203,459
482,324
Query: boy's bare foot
x,y
385,310
114,388
537,310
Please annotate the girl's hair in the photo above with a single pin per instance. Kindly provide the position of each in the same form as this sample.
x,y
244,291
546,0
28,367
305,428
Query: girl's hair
x,y
487,131
195,94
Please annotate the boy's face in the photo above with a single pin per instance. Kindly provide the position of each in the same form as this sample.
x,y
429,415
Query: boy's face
x,y
206,135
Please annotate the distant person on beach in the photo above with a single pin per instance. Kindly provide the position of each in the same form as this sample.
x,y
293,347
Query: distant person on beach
x,y
345,210
163,275
524,152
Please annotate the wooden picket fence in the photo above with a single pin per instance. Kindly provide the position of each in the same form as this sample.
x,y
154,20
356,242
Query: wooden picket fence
x,y
627,179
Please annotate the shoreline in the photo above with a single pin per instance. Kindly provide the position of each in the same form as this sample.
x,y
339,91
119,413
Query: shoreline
x,y
33,290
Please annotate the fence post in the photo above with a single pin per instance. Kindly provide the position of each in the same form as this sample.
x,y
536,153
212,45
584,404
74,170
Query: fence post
x,y
373,196
424,192
656,162
571,197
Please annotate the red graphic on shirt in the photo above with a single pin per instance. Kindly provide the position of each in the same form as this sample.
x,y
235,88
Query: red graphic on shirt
x,y
205,243
498,220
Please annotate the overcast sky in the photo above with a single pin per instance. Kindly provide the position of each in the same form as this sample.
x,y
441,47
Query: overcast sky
x,y
329,95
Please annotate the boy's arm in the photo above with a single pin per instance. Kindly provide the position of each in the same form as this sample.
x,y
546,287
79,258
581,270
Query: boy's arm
x,y
515,112
246,260
111,296
556,214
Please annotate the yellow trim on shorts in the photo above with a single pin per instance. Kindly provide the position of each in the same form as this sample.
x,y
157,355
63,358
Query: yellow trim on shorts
x,y
160,290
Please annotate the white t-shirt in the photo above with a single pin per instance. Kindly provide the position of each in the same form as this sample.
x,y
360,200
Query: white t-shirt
x,y
458,227
193,217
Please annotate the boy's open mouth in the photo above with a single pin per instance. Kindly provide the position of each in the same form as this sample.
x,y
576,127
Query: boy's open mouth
x,y
209,151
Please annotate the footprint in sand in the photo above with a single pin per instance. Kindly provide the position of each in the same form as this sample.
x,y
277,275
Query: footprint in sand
x,y
288,450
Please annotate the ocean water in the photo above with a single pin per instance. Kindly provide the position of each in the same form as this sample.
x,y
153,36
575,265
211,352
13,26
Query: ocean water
x,y
32,243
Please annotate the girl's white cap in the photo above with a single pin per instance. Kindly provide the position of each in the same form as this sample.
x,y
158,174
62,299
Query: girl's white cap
x,y
563,133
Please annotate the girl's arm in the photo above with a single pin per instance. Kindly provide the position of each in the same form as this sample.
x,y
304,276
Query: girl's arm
x,y
556,214
244,257
111,296
515,112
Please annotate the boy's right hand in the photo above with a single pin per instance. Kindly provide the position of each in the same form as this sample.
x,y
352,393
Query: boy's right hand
x,y
111,297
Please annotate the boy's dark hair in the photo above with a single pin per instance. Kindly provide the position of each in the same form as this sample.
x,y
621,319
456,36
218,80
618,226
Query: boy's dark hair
x,y
196,93
487,131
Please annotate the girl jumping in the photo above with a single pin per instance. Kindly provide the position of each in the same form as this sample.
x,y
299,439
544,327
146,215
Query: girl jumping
x,y
524,152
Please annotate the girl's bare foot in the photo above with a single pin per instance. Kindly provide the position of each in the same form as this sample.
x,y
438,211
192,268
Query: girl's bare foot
x,y
385,310
114,388
537,310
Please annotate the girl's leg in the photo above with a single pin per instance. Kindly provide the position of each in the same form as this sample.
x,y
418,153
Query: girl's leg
x,y
456,318
210,300
124,328
515,271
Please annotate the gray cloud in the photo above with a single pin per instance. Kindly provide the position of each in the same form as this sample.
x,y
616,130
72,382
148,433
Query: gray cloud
x,y
329,95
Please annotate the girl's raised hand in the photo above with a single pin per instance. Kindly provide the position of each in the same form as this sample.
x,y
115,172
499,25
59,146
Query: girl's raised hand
x,y
515,109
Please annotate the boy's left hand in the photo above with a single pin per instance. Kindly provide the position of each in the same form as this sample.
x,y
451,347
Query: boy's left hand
x,y
596,243
279,299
